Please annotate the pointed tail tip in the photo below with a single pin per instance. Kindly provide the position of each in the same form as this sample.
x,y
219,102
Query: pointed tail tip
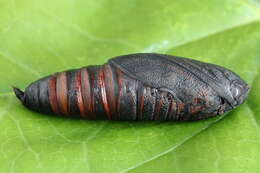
x,y
19,94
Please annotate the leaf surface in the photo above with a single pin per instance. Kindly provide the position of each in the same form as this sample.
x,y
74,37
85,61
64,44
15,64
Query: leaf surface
x,y
42,37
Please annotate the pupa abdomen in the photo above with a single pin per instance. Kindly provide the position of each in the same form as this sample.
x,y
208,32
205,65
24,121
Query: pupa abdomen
x,y
138,87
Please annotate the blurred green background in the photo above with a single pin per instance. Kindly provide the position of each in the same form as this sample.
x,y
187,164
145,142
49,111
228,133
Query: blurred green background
x,y
44,36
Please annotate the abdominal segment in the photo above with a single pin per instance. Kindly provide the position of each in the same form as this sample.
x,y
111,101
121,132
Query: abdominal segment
x,y
106,92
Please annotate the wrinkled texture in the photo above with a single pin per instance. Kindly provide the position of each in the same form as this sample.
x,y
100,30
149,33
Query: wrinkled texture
x,y
41,37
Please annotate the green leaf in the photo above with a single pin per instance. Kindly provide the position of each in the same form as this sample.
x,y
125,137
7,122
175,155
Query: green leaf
x,y
41,37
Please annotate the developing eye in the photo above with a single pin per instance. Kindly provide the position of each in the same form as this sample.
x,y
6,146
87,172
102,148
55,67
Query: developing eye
x,y
236,89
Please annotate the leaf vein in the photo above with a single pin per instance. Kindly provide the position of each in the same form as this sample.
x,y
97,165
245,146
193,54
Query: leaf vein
x,y
173,148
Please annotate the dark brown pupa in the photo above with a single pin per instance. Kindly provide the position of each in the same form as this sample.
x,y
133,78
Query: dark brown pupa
x,y
143,86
